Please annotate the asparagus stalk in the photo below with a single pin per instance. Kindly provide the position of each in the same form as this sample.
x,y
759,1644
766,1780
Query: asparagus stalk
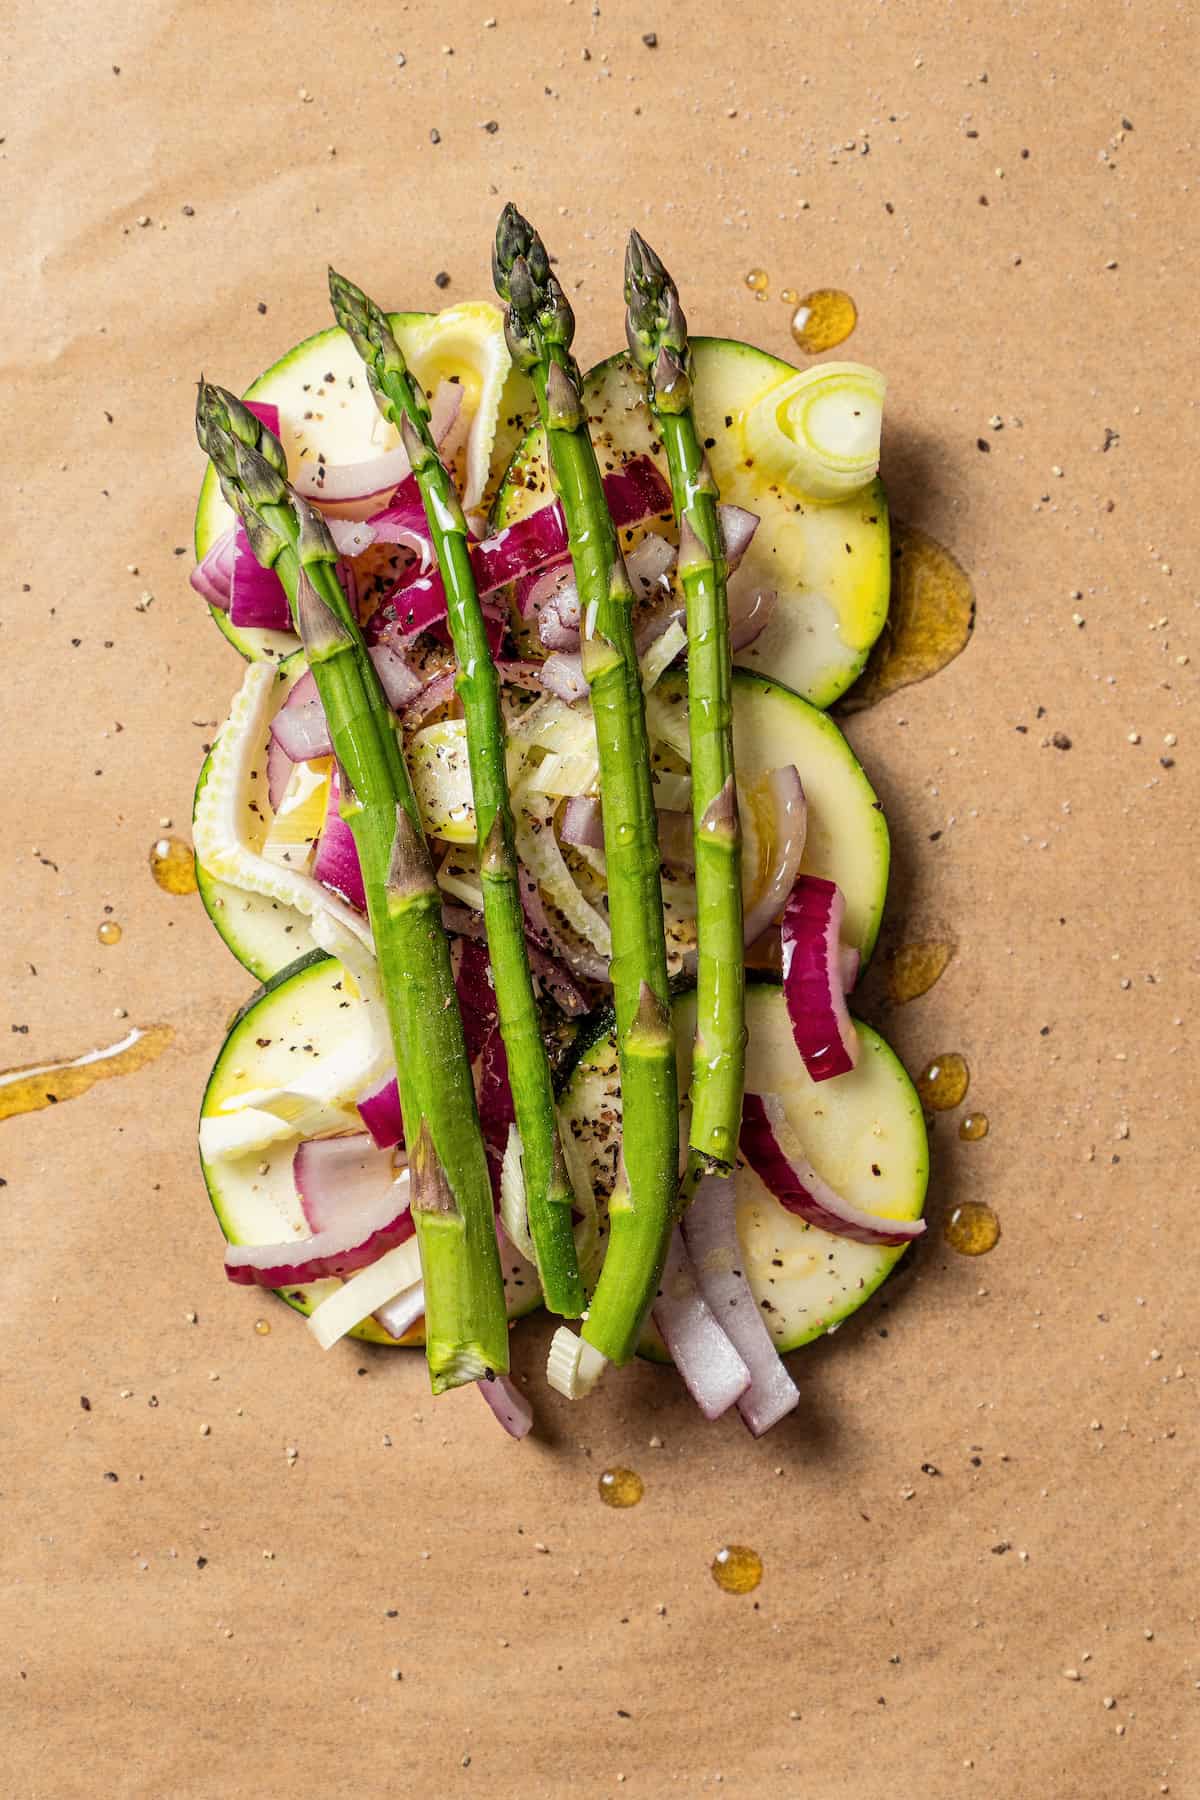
x,y
548,1193
466,1326
540,327
658,341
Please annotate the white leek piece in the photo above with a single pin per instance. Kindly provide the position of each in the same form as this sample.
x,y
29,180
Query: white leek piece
x,y
817,434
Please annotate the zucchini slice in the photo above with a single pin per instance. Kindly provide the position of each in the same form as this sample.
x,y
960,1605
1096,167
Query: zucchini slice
x,y
864,1132
829,563
306,1012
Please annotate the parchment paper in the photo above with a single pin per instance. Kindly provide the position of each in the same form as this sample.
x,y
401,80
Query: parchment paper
x,y
988,1489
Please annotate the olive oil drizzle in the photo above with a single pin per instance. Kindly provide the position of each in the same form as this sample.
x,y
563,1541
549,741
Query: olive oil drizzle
x,y
36,1085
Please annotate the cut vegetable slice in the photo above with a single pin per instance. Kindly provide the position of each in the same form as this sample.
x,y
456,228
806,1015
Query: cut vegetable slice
x,y
508,1403
335,1175
713,1372
774,1152
710,1232
829,564
358,1239
813,978
395,1276
308,1012
864,1133
326,410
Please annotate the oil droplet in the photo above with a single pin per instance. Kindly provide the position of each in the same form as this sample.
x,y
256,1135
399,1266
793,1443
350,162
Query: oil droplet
x,y
930,618
737,1569
262,1328
109,932
621,1487
943,1082
915,967
972,1229
974,1127
757,279
789,296
823,318
36,1085
173,866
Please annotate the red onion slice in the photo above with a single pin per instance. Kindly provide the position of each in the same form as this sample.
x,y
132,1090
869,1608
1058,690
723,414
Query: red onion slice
x,y
550,974
299,727
737,528
339,483
508,1403
750,611
710,1231
400,683
774,1152
634,493
712,1370
812,978
352,536
363,1233
789,823
212,576
582,824
435,693
850,962
545,585
335,1176
403,521
336,863
562,676
380,1112
279,772
257,600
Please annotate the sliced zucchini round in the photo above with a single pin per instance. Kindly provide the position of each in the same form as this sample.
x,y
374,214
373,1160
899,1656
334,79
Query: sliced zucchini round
x,y
829,563
864,1132
307,1011
326,405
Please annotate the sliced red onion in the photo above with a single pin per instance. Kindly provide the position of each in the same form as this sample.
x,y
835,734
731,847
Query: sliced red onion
x,y
546,585
850,962
336,863
419,604
336,1175
212,577
550,974
634,493
400,683
331,484
398,1316
562,675
352,536
363,1233
713,1372
266,412
279,772
750,610
257,600
300,727
508,1403
556,632
403,521
580,958
812,978
435,693
774,1152
710,1231
380,1112
582,824
476,995
789,819
675,841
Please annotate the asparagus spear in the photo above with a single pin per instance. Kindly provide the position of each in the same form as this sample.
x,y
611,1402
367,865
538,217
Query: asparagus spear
x,y
466,1326
548,1193
658,341
540,326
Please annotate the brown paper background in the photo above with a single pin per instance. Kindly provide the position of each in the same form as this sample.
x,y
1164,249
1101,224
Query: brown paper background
x,y
919,1657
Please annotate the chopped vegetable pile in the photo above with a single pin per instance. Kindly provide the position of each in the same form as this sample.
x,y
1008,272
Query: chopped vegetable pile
x,y
529,754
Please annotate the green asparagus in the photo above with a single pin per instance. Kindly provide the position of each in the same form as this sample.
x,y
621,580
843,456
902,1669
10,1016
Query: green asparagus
x,y
658,342
540,327
548,1194
466,1327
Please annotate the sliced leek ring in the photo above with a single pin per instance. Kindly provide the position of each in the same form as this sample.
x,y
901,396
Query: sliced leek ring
x,y
817,433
